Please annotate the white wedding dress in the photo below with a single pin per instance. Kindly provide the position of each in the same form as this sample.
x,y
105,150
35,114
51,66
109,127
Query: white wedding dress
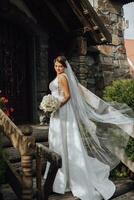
x,y
86,177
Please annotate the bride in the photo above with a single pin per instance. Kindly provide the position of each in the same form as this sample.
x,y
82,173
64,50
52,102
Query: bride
x,y
86,132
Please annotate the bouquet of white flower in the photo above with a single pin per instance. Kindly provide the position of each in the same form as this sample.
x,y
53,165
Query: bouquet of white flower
x,y
49,104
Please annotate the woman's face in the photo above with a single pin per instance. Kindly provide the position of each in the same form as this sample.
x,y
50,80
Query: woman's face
x,y
59,68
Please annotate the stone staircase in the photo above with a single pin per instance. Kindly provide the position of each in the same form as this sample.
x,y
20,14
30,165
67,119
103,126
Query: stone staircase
x,y
15,170
40,133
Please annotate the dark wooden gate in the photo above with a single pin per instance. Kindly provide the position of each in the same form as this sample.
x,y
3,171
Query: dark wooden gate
x,y
14,69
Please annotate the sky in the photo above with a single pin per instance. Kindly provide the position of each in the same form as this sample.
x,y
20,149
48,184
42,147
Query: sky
x,y
129,15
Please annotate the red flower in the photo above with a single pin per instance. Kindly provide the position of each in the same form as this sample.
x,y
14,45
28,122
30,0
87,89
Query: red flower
x,y
5,106
7,113
4,99
11,110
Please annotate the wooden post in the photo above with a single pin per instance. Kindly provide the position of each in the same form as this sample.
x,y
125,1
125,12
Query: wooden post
x,y
47,188
26,150
55,163
38,173
25,144
82,45
27,185
79,46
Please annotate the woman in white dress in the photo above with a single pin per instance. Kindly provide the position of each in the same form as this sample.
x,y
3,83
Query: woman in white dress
x,y
79,131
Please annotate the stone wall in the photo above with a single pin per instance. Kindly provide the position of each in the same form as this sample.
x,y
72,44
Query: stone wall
x,y
42,66
113,58
94,67
85,63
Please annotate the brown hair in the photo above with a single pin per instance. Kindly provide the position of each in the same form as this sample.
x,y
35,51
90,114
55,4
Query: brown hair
x,y
62,60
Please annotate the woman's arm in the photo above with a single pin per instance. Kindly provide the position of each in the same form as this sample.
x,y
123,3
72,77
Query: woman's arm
x,y
63,85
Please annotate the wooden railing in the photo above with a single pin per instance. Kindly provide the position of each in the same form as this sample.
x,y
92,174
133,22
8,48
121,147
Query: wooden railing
x,y
43,153
25,144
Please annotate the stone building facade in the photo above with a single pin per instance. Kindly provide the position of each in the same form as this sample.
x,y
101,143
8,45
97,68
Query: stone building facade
x,y
90,37
113,59
98,68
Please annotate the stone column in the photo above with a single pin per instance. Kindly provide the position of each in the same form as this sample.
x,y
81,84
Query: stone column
x,y
113,59
78,59
84,61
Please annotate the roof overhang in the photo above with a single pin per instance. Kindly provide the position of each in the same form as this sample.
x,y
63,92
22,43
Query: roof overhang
x,y
93,26
124,1
70,18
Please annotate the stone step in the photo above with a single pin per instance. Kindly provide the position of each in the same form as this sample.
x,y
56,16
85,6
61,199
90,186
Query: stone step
x,y
12,154
66,196
124,189
123,186
39,132
8,193
127,196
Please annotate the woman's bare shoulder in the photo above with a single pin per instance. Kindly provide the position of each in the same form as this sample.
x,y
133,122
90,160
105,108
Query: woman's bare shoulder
x,y
63,77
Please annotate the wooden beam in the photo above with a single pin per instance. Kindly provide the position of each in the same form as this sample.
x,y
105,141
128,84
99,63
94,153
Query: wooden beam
x,y
4,5
90,26
57,15
96,20
78,13
87,26
18,17
88,13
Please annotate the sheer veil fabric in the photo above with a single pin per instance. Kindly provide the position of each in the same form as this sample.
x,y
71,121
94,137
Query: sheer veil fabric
x,y
104,129
86,132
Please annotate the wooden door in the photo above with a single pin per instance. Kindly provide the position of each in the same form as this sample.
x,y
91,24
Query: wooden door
x,y
14,69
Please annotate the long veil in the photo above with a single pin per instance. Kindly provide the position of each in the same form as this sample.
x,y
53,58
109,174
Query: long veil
x,y
103,128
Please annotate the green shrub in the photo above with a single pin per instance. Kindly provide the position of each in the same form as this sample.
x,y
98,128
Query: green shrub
x,y
119,172
122,91
130,149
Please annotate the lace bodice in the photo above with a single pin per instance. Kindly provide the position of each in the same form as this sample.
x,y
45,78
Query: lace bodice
x,y
55,90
